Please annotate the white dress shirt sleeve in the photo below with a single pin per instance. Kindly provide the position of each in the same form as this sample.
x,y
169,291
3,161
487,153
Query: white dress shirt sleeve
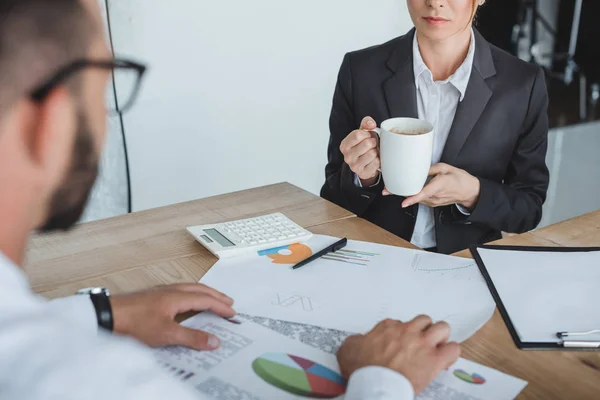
x,y
378,383
47,356
78,308
463,210
53,350
359,184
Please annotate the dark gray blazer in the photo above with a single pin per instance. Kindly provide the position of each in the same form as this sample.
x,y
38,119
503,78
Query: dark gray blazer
x,y
499,135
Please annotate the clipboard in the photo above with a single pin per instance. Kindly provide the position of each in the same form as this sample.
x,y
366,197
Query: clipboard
x,y
510,324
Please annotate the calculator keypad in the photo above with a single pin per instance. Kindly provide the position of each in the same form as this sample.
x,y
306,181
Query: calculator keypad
x,y
262,230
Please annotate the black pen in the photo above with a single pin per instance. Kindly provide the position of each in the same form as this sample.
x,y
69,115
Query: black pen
x,y
329,249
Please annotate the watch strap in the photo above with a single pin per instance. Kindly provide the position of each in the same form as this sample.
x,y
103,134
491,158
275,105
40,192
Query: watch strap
x,y
101,302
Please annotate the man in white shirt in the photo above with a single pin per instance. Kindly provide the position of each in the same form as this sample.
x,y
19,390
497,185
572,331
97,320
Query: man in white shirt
x,y
54,67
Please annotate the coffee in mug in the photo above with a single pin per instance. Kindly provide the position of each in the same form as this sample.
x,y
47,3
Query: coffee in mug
x,y
400,131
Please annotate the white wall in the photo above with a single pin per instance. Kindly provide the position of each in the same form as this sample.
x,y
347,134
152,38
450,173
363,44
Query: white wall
x,y
239,92
109,196
574,172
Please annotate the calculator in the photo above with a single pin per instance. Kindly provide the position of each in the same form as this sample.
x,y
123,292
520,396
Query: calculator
x,y
247,236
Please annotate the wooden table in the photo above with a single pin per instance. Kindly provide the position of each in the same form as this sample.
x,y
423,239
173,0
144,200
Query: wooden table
x,y
551,374
150,248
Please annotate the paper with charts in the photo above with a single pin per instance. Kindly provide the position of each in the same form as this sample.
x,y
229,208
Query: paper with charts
x,y
355,288
257,363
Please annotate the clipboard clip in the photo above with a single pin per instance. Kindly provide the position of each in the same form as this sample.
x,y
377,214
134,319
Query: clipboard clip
x,y
562,335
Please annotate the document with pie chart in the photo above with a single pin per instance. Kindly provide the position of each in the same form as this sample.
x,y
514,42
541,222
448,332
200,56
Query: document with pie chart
x,y
257,363
368,281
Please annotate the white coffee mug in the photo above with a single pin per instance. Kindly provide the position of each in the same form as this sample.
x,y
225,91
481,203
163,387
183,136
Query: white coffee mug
x,y
405,157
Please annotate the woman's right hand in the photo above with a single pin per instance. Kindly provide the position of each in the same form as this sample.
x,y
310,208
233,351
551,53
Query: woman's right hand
x,y
361,152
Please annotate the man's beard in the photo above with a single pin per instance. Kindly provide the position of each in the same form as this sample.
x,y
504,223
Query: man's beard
x,y
69,201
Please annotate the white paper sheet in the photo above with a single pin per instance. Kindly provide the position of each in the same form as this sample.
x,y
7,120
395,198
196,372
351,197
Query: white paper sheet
x,y
547,292
354,289
227,373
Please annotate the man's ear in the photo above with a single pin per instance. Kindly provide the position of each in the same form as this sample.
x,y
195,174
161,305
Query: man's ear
x,y
49,129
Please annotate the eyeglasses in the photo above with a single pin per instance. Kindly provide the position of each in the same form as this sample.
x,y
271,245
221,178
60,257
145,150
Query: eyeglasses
x,y
127,78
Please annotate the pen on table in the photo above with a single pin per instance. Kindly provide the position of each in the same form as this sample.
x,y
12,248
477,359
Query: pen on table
x,y
580,344
590,344
329,249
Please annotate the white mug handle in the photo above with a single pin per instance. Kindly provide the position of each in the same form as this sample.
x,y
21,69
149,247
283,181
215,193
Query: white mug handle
x,y
378,132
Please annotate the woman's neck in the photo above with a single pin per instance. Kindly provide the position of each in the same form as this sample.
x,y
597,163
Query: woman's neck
x,y
443,58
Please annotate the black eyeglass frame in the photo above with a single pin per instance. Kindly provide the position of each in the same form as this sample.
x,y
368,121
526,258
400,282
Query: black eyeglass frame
x,y
67,71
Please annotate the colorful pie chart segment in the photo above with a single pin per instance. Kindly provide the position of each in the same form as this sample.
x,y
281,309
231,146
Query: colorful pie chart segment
x,y
289,255
475,379
299,376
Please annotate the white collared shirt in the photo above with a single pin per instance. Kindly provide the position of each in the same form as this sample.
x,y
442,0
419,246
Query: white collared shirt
x,y
437,102
52,350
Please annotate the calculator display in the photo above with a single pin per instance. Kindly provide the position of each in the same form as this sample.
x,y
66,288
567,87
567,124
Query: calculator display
x,y
218,237
206,239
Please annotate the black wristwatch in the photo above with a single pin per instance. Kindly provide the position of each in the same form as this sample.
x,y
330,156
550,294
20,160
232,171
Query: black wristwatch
x,y
101,300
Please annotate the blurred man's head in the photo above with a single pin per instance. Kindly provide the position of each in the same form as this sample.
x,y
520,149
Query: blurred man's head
x,y
50,145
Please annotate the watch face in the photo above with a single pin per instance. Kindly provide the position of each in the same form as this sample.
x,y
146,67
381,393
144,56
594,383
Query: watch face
x,y
94,290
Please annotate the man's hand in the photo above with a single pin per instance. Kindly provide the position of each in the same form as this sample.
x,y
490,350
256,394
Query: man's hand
x,y
450,185
149,316
360,150
418,350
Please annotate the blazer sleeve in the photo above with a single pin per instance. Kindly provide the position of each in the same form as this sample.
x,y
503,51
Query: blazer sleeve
x,y
515,206
339,185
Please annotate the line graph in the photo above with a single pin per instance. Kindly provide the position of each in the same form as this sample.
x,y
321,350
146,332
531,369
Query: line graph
x,y
298,301
418,257
349,256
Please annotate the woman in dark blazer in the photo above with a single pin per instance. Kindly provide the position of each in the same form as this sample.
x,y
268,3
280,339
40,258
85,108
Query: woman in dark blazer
x,y
489,111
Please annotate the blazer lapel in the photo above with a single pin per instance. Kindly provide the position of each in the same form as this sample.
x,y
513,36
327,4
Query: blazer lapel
x,y
400,90
476,98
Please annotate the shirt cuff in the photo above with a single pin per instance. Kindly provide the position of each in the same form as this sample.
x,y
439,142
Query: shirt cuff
x,y
78,309
378,383
359,184
463,210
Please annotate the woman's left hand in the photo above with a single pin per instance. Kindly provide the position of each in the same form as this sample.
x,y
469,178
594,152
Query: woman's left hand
x,y
450,185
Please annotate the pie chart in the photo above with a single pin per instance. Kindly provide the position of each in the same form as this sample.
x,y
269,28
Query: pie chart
x,y
475,379
299,376
292,254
